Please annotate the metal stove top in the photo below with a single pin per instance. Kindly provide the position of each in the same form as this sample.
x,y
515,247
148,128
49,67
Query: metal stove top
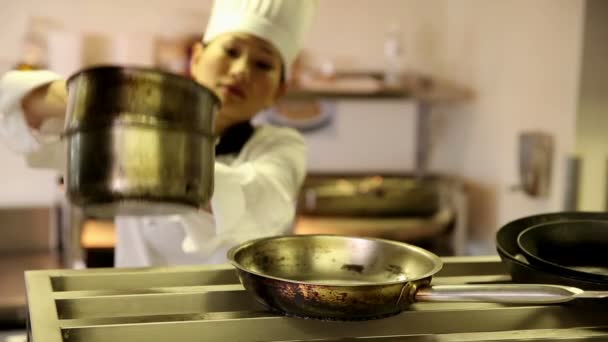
x,y
207,303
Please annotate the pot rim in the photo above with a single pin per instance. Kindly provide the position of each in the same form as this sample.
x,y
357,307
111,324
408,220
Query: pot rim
x,y
150,70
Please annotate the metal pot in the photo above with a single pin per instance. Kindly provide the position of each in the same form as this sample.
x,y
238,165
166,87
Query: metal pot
x,y
350,278
138,137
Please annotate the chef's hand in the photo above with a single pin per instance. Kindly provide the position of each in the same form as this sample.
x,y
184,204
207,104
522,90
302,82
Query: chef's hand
x,y
45,102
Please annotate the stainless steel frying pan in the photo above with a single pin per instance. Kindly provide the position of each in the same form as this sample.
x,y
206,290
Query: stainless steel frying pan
x,y
350,278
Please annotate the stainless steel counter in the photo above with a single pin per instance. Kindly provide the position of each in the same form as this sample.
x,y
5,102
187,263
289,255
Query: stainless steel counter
x,y
207,303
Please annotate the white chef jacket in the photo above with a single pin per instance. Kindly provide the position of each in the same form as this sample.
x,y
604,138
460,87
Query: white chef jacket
x,y
254,190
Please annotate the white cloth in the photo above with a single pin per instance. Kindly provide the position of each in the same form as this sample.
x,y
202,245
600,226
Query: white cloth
x,y
283,23
254,193
38,146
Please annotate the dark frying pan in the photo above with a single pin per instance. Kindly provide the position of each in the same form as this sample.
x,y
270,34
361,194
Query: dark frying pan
x,y
333,277
521,270
572,248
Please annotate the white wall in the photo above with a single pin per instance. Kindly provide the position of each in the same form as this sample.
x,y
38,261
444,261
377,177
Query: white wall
x,y
365,135
521,57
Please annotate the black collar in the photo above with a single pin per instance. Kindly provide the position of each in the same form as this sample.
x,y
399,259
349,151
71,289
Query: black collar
x,y
234,138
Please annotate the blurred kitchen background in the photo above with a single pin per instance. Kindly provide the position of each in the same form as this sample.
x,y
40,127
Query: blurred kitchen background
x,y
428,121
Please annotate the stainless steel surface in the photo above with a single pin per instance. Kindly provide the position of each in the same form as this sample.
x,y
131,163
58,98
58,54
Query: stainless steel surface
x,y
371,196
333,277
394,228
138,135
334,260
430,211
509,294
207,303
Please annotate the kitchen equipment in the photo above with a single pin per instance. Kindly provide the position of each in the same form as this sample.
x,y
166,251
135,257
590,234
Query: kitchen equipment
x,y
406,229
138,136
573,248
370,196
524,272
536,151
334,277
429,212
207,303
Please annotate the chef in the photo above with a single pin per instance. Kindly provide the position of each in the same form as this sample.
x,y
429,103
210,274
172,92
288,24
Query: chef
x,y
245,58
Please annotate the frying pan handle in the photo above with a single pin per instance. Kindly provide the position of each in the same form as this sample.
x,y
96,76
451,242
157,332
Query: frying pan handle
x,y
503,293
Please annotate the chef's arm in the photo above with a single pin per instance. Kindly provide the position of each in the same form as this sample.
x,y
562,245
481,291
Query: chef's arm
x,y
27,100
257,198
45,102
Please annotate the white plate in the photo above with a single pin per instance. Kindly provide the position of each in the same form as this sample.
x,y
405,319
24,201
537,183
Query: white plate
x,y
324,115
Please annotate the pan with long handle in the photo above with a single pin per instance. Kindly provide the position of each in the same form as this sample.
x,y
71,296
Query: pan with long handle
x,y
333,277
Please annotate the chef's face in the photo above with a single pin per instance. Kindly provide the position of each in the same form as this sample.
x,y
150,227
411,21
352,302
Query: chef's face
x,y
243,70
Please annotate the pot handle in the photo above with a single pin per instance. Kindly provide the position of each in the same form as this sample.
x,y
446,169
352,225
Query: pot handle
x,y
504,293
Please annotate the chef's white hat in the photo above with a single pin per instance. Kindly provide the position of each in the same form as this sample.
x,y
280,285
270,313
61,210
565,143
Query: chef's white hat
x,y
283,23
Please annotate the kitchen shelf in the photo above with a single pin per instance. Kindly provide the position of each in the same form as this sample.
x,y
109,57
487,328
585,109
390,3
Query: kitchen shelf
x,y
368,85
425,91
